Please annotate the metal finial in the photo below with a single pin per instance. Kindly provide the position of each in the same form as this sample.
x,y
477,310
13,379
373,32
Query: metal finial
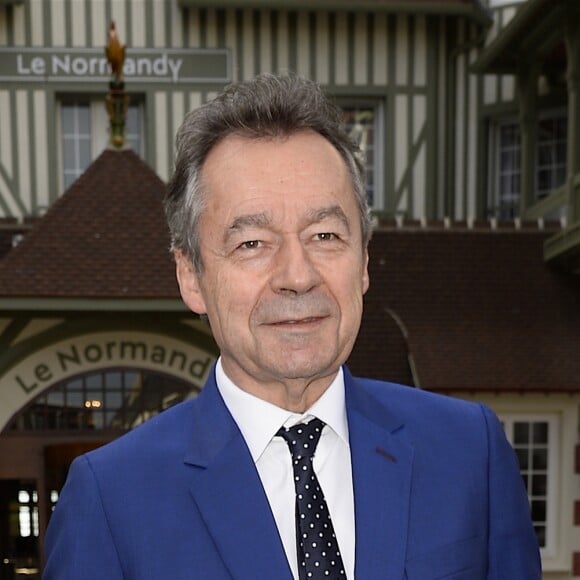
x,y
117,100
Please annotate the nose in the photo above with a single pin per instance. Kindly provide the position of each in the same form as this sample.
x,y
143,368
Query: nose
x,y
294,271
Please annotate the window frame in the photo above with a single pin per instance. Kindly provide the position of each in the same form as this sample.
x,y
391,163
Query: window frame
x,y
98,127
508,421
378,167
494,194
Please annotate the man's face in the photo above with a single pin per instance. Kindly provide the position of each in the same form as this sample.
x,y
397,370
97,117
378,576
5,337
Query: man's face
x,y
284,269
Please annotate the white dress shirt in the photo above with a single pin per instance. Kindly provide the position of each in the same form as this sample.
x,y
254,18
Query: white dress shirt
x,y
259,421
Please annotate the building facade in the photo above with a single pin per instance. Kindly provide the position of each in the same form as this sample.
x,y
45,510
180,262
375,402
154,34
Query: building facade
x,y
468,115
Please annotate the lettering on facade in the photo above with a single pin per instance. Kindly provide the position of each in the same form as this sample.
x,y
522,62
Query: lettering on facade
x,y
72,359
146,65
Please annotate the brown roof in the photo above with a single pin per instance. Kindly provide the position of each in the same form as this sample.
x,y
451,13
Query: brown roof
x,y
448,309
481,309
106,237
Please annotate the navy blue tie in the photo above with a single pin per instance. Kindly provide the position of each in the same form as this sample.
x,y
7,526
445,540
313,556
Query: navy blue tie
x,y
316,544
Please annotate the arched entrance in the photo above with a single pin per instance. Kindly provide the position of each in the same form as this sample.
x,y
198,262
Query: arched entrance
x,y
76,414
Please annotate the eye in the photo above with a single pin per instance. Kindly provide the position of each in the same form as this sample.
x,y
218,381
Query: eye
x,y
250,245
326,236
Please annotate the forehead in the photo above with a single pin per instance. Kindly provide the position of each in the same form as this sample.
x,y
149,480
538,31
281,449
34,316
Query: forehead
x,y
303,168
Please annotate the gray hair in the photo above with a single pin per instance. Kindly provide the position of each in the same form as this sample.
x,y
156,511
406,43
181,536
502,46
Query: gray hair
x,y
267,106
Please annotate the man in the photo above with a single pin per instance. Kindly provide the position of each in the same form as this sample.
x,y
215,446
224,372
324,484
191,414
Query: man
x,y
270,229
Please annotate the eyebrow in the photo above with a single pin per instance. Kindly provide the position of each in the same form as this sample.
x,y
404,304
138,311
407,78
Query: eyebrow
x,y
253,220
333,211
263,220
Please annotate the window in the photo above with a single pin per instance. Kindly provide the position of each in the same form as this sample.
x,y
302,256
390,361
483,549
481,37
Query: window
x,y
535,440
362,121
84,126
551,156
551,152
115,400
27,513
19,528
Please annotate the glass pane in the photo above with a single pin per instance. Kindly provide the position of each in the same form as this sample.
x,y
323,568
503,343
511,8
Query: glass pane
x,y
541,535
523,458
69,154
540,459
521,433
538,510
544,180
509,135
360,124
539,485
103,400
546,155
75,399
84,152
55,398
67,120
540,432
84,119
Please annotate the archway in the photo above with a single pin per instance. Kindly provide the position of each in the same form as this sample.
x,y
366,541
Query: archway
x,y
76,414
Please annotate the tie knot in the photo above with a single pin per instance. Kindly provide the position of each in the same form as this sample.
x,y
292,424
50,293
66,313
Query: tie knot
x,y
303,438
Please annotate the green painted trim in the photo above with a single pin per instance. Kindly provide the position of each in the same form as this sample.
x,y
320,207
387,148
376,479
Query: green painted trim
x,y
350,42
465,122
555,200
389,174
128,40
34,185
53,146
240,48
564,246
370,34
10,181
169,37
292,41
149,20
13,329
16,185
410,172
472,11
90,304
68,23
331,49
481,171
450,121
10,25
539,18
407,180
256,21
314,47
433,70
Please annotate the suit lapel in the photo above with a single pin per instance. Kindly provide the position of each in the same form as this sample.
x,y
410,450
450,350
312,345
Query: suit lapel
x,y
381,464
229,494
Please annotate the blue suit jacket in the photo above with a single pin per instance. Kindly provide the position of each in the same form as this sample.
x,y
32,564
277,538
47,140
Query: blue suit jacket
x,y
437,495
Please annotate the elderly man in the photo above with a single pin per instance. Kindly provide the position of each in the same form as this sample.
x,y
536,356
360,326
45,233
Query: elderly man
x,y
285,466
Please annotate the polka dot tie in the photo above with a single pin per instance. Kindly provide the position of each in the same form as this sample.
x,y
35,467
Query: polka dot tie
x,y
318,553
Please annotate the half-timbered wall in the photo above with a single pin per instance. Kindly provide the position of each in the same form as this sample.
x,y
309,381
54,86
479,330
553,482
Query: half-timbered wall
x,y
413,68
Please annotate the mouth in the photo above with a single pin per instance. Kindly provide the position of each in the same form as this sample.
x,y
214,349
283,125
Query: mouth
x,y
297,322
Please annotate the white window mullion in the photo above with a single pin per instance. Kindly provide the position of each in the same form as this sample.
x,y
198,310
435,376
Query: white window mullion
x,y
535,441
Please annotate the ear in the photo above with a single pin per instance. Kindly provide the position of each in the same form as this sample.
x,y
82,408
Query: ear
x,y
188,280
365,273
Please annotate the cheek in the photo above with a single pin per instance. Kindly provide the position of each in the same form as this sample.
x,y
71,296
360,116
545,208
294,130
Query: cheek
x,y
233,300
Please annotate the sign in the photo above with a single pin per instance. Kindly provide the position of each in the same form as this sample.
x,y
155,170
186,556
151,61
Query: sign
x,y
89,353
164,66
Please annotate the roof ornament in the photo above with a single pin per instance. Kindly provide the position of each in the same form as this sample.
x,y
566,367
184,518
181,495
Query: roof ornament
x,y
117,100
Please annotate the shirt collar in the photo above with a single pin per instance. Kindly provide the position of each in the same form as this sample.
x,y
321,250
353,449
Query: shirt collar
x,y
259,420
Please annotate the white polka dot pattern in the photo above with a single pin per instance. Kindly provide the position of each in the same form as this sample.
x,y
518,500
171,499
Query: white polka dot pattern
x,y
318,553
